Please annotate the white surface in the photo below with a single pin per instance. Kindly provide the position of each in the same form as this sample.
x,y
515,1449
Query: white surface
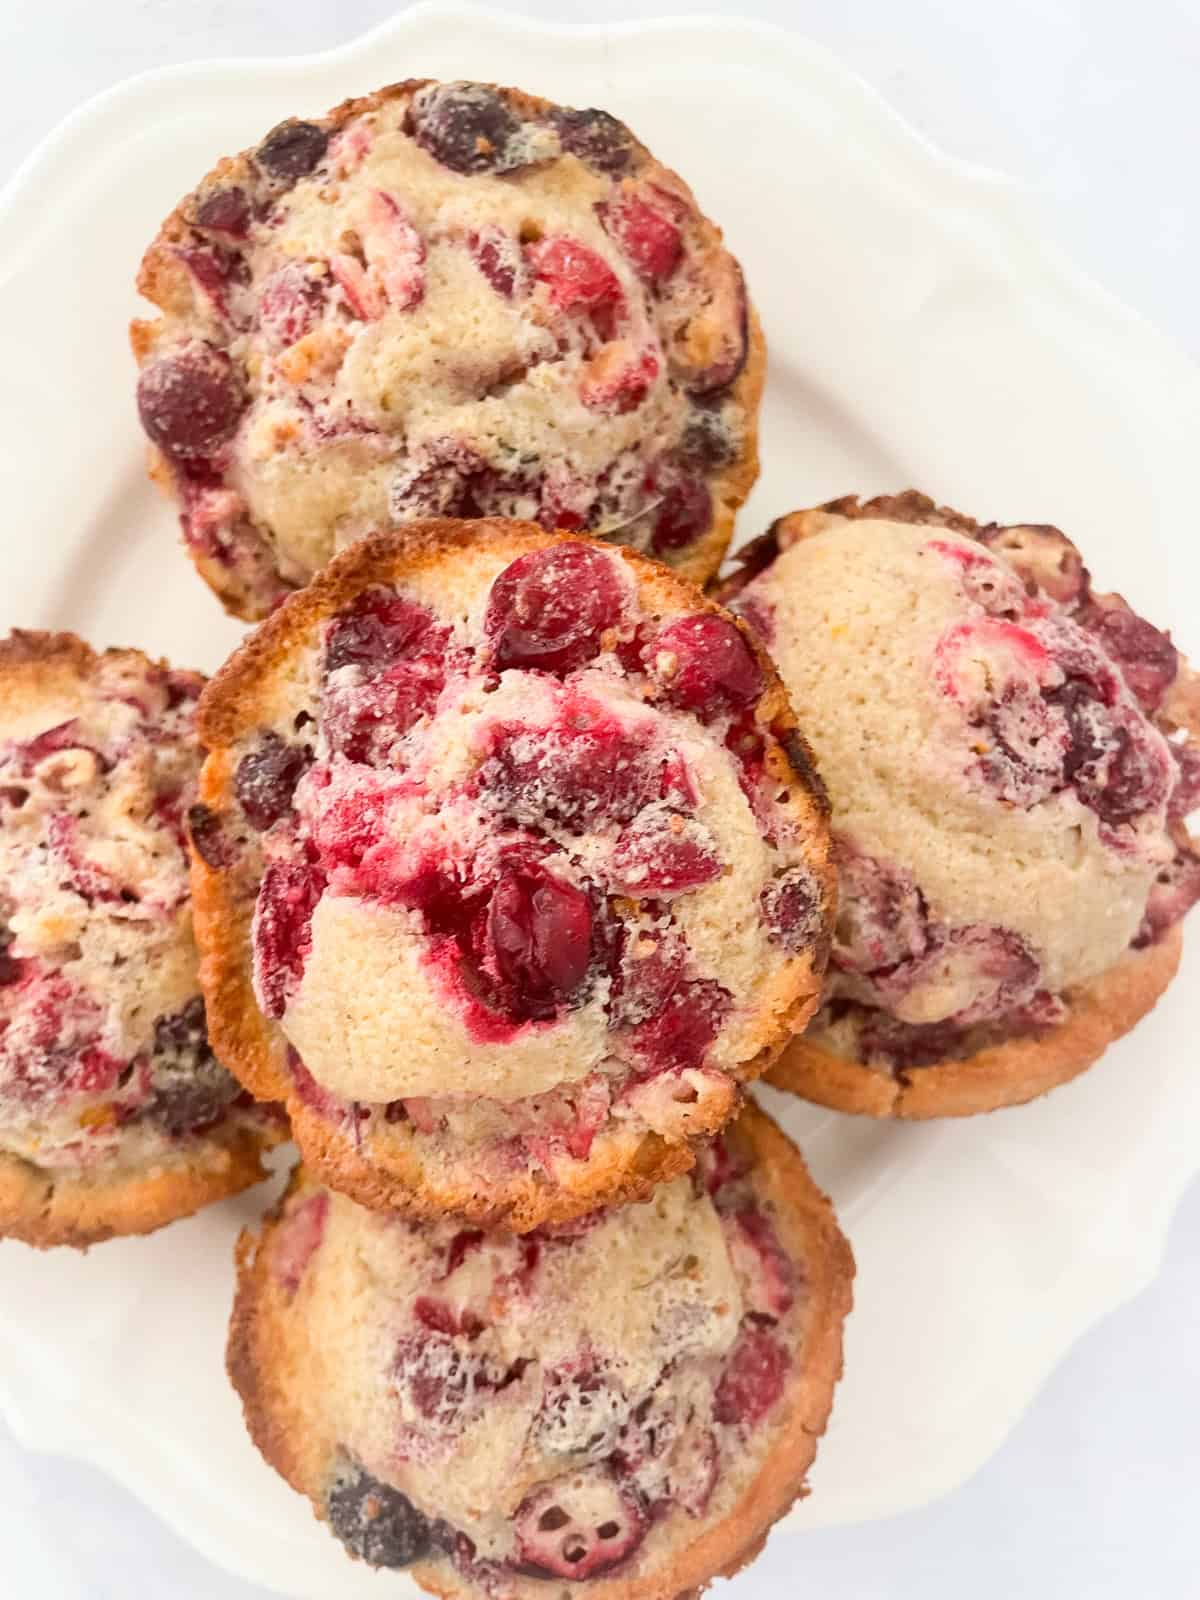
x,y
1145,1401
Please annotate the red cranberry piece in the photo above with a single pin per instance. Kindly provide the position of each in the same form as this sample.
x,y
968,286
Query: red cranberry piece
x,y
618,378
791,906
708,443
94,1072
550,608
297,1239
773,1291
440,1317
465,126
678,1036
905,1046
882,921
1173,893
289,304
266,778
707,666
375,1522
461,1246
578,1526
1185,796
595,137
1148,660
579,280
651,240
292,150
11,968
225,211
683,514
439,1378
287,899
587,772
379,629
753,1379
363,722
539,936
664,854
498,256
190,402
209,839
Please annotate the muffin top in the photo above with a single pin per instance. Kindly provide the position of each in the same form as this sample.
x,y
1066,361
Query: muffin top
x,y
571,1404
1005,798
516,821
104,1054
444,299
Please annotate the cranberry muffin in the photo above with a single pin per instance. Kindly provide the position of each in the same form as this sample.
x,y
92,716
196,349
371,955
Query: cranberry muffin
x,y
511,869
1011,758
444,299
630,1400
115,1116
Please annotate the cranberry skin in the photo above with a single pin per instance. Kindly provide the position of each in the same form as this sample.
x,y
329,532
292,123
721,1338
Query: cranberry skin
x,y
1185,796
649,239
539,938
465,126
684,514
298,1238
192,1090
208,838
266,778
1149,662
587,772
376,1522
292,150
753,1379
791,907
708,442
678,1036
654,859
378,630
579,280
289,304
190,402
225,211
287,899
498,256
595,137
549,610
571,1529
710,669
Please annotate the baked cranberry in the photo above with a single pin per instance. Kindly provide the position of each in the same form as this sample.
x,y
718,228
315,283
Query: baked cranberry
x,y
190,402
708,442
497,254
905,1046
664,854
439,1379
266,777
586,772
882,919
550,609
289,304
649,238
287,898
791,907
363,722
539,938
1174,892
465,126
646,968
462,1245
1148,660
225,211
292,150
684,511
706,666
440,1317
379,629
753,1379
446,478
1044,558
578,1526
209,839
772,1274
579,280
1185,796
678,1036
618,378
297,1239
10,967
595,137
375,1522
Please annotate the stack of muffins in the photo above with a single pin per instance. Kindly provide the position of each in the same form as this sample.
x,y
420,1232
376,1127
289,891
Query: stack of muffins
x,y
511,865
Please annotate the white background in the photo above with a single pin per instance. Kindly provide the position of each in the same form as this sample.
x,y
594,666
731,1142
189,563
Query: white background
x,y
1093,105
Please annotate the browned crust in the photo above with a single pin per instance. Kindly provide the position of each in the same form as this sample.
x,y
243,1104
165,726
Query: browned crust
x,y
268,1372
159,281
623,1166
35,663
1007,1074
79,1209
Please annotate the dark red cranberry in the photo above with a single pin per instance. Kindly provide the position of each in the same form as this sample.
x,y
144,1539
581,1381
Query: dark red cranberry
x,y
791,906
289,304
190,402
683,514
298,1237
579,280
379,629
678,1036
10,967
595,137
549,609
266,778
192,1090
774,1291
708,442
647,236
585,772
440,1317
287,898
375,1522
439,488
1174,892
662,855
462,1245
732,348
906,1046
498,256
578,1526
363,722
753,1379
465,126
539,937
292,150
1148,660
1185,796
706,666
209,839
225,211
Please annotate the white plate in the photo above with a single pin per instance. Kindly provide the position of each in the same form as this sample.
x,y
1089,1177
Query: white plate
x,y
921,333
